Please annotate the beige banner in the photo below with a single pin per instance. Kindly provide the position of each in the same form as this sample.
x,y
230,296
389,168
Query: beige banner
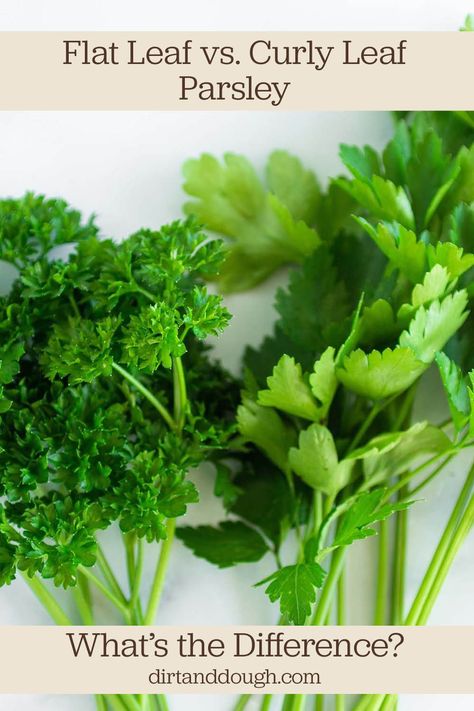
x,y
236,70
80,660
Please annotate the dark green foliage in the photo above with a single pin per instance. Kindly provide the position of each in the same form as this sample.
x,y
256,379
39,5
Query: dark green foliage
x,y
231,543
89,345
384,292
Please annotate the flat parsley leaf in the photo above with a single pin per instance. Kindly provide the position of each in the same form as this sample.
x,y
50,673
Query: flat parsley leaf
x,y
229,544
289,391
295,587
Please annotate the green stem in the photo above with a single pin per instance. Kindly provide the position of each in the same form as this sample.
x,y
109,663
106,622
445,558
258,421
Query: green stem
x,y
100,703
105,591
399,566
129,702
109,576
88,619
376,409
405,410
363,703
160,573
319,700
162,702
129,541
144,702
180,394
147,394
382,574
375,703
48,601
137,579
318,511
146,293
406,478
242,702
82,599
298,702
441,550
324,605
390,703
266,702
115,702
462,531
340,702
74,305
454,534
427,480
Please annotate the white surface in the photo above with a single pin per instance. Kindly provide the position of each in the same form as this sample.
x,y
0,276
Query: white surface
x,y
126,167
242,15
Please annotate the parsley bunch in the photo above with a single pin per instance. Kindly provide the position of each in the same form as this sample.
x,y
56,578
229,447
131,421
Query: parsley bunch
x,y
330,445
108,400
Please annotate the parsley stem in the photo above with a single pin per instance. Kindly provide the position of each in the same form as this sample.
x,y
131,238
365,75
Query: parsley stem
x,y
120,702
340,702
409,476
341,599
160,573
266,702
382,574
130,702
442,548
317,511
100,703
363,703
162,702
431,476
389,704
109,575
242,702
74,305
319,700
105,591
365,426
146,293
147,394
457,528
48,601
115,702
399,564
180,394
137,578
298,702
460,534
324,605
82,599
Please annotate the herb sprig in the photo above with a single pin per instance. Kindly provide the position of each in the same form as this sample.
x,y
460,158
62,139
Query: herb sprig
x,y
329,446
109,398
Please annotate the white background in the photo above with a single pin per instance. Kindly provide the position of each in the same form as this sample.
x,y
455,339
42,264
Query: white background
x,y
126,168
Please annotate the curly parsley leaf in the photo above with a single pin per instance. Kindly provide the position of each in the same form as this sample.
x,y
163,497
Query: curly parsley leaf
x,y
85,443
